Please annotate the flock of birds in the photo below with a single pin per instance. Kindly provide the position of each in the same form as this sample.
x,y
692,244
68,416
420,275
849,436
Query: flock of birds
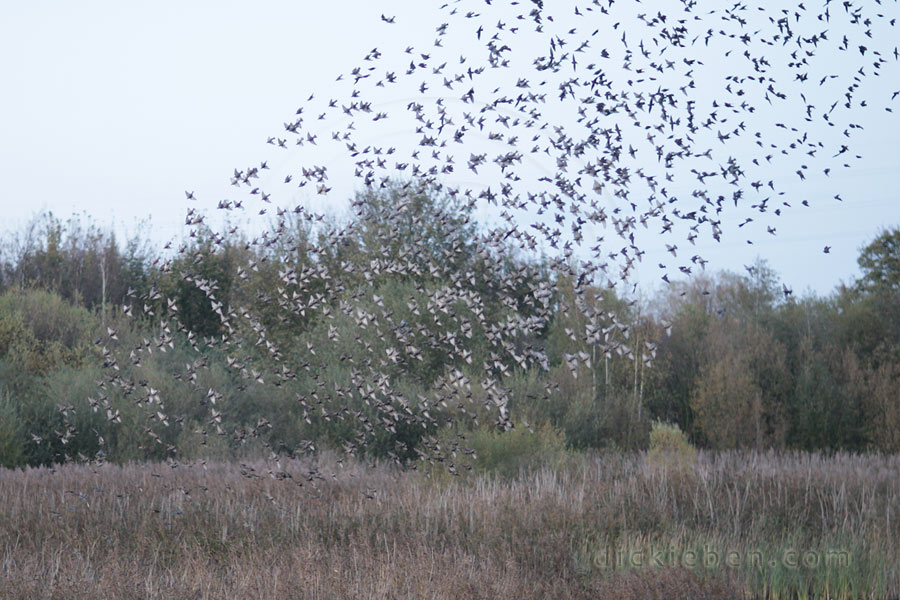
x,y
586,130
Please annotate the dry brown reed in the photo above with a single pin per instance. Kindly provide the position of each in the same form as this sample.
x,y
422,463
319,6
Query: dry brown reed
x,y
340,530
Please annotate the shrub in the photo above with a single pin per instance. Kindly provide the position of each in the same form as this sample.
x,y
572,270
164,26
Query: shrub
x,y
610,422
509,453
11,438
584,424
669,446
39,331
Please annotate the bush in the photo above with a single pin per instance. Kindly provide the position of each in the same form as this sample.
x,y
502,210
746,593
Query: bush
x,y
40,331
670,447
584,425
509,453
11,437
613,422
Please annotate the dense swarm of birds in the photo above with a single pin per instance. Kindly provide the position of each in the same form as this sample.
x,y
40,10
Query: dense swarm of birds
x,y
588,131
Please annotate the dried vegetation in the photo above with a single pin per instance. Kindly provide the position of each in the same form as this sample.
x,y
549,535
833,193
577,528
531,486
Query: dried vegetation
x,y
233,531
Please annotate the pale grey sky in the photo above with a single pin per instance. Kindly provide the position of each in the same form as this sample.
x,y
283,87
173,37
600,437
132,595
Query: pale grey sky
x,y
115,109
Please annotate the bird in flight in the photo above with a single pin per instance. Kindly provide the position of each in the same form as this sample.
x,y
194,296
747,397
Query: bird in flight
x,y
575,148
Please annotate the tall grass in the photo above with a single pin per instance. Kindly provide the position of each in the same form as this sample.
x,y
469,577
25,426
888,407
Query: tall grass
x,y
327,529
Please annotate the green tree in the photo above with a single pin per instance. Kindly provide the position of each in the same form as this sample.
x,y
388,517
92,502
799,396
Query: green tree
x,y
880,263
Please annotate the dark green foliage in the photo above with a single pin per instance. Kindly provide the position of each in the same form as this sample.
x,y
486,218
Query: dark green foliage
x,y
76,259
510,453
880,263
727,358
12,436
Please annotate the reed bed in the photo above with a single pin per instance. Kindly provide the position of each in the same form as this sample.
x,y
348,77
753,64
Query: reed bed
x,y
604,526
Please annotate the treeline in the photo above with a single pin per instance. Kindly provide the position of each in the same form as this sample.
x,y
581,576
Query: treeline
x,y
733,359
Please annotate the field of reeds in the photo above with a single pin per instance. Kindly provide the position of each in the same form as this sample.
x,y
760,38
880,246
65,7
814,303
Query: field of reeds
x,y
718,525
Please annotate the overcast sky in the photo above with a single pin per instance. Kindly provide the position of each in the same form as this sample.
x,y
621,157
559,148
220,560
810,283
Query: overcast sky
x,y
115,109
